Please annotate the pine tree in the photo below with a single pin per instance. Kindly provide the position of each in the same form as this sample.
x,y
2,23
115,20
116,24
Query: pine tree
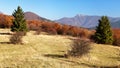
x,y
103,33
19,22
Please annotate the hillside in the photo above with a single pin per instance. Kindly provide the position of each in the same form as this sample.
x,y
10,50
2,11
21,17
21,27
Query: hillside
x,y
33,16
41,51
116,24
88,21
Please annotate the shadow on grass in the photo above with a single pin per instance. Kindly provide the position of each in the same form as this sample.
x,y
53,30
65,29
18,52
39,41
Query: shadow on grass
x,y
117,58
5,43
61,51
11,43
54,56
5,34
95,66
78,63
110,66
67,60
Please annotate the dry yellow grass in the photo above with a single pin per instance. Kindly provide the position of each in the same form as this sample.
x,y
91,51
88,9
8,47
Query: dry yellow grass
x,y
46,51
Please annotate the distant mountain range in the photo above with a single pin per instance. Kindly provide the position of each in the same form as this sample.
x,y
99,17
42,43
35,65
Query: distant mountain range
x,y
79,20
88,21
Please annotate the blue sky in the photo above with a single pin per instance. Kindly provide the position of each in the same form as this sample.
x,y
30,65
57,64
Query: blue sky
x,y
55,9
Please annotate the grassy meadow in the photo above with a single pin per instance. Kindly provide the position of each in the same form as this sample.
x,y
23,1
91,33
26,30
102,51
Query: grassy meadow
x,y
47,51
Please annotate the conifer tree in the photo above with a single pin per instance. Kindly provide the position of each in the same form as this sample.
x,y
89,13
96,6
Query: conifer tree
x,y
103,33
19,22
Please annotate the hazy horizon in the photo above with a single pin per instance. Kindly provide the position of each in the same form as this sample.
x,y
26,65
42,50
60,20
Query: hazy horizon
x,y
56,9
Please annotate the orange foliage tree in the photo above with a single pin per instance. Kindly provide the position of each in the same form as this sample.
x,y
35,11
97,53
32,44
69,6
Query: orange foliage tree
x,y
56,28
116,36
5,21
34,24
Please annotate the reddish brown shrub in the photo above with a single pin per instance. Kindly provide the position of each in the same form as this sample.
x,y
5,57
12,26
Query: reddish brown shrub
x,y
65,29
116,36
74,31
5,21
46,26
116,42
34,24
52,31
58,28
55,28
79,32
86,33
38,31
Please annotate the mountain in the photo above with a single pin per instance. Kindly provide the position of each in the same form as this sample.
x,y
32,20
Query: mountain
x,y
87,21
116,24
33,16
1,12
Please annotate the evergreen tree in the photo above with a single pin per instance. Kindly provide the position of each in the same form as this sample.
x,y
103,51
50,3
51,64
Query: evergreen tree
x,y
103,33
19,22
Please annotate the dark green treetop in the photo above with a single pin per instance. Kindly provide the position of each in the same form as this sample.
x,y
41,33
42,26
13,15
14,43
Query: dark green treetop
x,y
103,33
19,22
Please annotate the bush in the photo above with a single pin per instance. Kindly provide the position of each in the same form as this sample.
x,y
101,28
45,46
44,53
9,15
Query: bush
x,y
17,37
79,48
56,28
34,25
5,21
52,31
116,37
38,31
116,41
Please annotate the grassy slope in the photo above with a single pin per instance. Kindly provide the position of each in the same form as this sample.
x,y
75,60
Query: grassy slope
x,y
46,51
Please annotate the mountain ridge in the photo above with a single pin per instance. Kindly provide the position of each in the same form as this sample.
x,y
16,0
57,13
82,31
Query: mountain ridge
x,y
87,21
79,20
33,16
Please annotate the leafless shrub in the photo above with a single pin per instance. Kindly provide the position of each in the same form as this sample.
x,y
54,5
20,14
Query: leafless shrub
x,y
79,48
116,42
17,37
